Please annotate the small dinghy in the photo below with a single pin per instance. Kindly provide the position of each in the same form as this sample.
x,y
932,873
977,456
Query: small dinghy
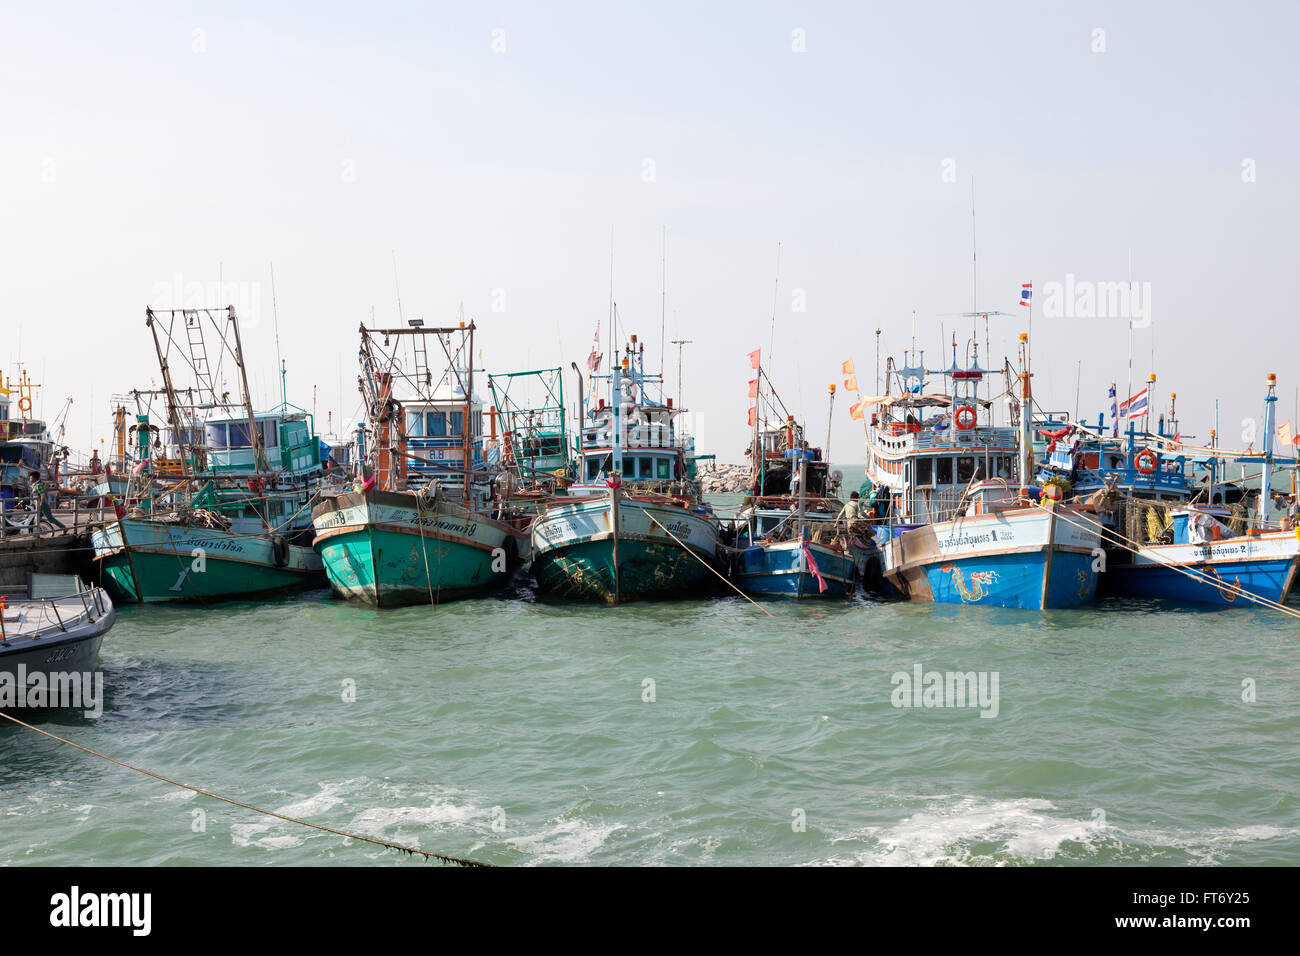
x,y
54,627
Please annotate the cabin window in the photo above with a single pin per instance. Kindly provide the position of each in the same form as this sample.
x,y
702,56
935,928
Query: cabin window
x,y
457,423
271,434
437,422
593,469
415,424
925,471
646,468
943,471
239,437
662,464
216,436
965,469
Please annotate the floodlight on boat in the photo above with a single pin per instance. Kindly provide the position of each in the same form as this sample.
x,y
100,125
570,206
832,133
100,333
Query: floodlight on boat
x,y
415,323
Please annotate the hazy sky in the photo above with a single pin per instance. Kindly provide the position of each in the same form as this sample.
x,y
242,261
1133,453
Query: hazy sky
x,y
148,147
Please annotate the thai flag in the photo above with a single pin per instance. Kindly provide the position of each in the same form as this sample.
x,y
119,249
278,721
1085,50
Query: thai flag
x,y
1026,293
1135,407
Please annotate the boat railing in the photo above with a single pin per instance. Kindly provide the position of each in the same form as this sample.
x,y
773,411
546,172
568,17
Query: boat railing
x,y
46,609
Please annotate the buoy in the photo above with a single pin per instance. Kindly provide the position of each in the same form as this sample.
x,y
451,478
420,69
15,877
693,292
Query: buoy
x,y
1145,461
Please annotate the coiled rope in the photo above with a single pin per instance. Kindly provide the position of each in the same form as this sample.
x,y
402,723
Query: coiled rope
x,y
410,850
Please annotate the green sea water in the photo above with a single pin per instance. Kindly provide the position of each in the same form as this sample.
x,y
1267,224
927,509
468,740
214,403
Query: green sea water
x,y
516,731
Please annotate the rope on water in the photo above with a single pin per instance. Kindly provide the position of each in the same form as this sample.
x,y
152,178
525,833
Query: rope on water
x,y
411,851
707,565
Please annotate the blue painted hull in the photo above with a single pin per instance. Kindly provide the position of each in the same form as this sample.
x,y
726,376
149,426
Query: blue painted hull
x,y
1033,558
1015,580
1268,578
778,570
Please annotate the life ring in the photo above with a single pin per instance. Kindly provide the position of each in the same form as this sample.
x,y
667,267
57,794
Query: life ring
x,y
24,404
1145,461
965,417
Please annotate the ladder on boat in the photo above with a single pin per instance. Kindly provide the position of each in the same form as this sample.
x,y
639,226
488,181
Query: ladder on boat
x,y
199,355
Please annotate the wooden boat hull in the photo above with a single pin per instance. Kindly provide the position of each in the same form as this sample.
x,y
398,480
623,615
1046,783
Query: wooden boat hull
x,y
387,549
573,551
150,562
1029,558
1264,565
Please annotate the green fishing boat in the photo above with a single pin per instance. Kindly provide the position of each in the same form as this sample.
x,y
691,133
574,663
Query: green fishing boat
x,y
217,507
634,526
424,523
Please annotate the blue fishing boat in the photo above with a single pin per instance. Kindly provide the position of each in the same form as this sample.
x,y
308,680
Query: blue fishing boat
x,y
1221,552
963,523
794,537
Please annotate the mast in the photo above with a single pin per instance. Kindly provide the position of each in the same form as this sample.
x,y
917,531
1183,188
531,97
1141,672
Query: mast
x,y
1026,398
255,436
1270,400
467,425
169,387
830,414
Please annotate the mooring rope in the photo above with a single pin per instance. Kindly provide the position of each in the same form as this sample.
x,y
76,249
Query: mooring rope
x,y
707,565
428,855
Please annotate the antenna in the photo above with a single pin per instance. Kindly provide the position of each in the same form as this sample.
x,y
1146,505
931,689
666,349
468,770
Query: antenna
x,y
680,343
612,319
663,299
776,285
275,312
397,288
974,272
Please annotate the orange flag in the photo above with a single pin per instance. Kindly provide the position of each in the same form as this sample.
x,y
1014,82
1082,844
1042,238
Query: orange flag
x,y
1284,434
851,383
753,388
847,367
754,358
857,410
752,416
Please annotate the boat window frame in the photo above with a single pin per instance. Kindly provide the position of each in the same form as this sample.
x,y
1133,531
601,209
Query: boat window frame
x,y
924,464
940,461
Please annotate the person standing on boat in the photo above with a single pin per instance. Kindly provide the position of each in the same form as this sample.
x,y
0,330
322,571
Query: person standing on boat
x,y
96,466
852,511
40,497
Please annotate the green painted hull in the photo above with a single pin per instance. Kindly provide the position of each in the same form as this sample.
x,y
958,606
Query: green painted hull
x,y
584,571
146,561
152,578
387,568
389,549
